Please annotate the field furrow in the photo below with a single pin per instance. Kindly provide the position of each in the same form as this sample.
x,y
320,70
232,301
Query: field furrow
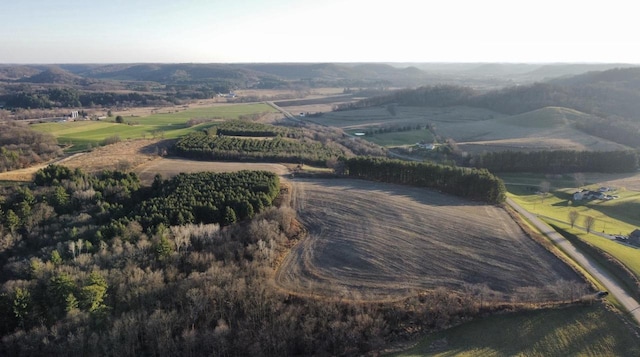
x,y
375,241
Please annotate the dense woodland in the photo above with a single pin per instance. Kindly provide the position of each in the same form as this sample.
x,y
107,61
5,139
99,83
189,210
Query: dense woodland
x,y
21,147
560,161
474,184
71,98
68,287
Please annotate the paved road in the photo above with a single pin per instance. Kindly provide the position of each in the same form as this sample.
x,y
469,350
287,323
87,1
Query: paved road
x,y
592,267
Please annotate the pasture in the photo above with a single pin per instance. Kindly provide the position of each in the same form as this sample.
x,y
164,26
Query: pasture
x,y
84,134
573,331
375,241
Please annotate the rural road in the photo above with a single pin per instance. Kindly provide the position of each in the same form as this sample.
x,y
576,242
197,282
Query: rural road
x,y
592,267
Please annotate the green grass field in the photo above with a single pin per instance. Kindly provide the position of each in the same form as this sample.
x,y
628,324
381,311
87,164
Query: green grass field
x,y
619,216
573,331
82,134
399,138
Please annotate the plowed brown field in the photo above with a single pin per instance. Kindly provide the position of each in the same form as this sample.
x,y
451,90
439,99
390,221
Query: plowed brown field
x,y
374,241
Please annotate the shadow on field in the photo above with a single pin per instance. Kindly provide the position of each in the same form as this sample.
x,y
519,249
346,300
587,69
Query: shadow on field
x,y
158,147
421,195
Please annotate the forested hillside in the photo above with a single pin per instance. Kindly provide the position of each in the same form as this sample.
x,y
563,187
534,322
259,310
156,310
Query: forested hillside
x,y
587,93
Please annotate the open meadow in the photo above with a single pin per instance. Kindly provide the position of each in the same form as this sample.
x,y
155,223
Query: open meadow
x,y
378,241
84,134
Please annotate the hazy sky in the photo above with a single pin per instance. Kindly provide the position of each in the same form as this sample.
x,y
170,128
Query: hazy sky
x,y
80,31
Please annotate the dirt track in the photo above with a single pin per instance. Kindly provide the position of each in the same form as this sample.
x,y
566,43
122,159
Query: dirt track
x,y
376,241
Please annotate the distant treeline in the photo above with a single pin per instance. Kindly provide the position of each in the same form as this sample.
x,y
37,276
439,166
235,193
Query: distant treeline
x,y
202,146
560,161
474,184
511,100
71,98
393,129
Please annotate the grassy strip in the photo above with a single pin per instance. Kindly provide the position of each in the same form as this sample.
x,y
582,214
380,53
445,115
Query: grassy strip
x,y
590,330
617,269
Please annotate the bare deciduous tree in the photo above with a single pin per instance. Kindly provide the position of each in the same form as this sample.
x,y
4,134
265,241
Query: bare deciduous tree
x,y
573,217
588,223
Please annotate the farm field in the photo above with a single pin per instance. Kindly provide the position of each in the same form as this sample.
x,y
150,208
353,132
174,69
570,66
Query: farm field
x,y
83,134
477,130
379,116
573,331
399,138
548,128
362,249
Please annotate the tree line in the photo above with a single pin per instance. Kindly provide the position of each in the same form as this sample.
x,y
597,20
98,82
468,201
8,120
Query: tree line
x,y
558,161
200,145
71,98
474,184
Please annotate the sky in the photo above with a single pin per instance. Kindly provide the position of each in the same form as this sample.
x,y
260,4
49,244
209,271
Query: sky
x,y
213,31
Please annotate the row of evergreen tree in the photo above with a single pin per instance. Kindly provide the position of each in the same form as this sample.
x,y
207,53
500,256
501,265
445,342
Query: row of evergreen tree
x,y
558,161
474,184
201,146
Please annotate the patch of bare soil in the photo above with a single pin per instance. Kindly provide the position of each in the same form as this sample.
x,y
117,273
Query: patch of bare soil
x,y
169,167
377,241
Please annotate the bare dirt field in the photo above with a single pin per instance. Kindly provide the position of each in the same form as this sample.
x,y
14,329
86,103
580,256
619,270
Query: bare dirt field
x,y
379,241
169,167
140,156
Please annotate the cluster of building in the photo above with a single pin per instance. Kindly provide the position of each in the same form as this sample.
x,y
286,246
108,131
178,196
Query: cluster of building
x,y
600,194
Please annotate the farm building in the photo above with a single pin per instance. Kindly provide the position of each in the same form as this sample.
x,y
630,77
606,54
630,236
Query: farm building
x,y
591,195
579,196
